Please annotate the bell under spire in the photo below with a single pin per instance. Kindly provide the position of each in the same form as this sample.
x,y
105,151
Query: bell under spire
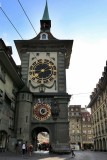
x,y
45,22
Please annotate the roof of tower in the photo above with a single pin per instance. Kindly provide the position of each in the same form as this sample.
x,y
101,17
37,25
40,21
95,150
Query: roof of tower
x,y
46,13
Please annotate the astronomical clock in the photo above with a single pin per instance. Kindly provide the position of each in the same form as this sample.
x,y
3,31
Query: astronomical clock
x,y
44,108
42,72
41,111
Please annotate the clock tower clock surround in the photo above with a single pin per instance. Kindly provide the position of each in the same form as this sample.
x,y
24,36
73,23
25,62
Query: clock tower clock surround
x,y
42,104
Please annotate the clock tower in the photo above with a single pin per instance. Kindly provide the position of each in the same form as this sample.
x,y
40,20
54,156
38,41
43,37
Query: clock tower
x,y
42,104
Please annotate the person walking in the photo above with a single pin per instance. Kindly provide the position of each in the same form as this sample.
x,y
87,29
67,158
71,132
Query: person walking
x,y
72,152
30,148
23,149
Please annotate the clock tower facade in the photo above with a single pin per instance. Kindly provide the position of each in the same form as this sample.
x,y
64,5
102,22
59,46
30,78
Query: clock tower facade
x,y
42,104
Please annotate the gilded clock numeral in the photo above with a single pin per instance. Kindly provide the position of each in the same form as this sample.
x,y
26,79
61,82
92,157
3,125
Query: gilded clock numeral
x,y
39,81
34,63
40,60
54,67
46,61
33,78
51,78
51,63
54,73
31,67
46,81
30,73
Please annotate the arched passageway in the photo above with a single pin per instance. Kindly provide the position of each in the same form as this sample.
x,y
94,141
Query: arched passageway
x,y
104,144
40,138
98,145
95,145
100,142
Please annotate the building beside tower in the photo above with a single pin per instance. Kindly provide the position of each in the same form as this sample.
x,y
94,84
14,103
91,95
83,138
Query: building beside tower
x,y
37,100
80,128
98,105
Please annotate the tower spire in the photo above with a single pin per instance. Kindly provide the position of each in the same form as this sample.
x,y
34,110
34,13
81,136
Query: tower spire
x,y
46,13
45,22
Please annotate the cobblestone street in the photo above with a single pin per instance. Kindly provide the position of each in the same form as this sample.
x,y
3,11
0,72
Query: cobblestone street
x,y
80,155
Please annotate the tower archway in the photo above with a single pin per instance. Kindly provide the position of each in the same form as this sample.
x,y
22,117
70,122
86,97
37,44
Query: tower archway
x,y
40,136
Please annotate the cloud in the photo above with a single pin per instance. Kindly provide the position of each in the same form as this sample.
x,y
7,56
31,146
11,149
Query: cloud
x,y
86,66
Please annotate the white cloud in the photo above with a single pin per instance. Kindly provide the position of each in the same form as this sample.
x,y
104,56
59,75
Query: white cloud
x,y
87,64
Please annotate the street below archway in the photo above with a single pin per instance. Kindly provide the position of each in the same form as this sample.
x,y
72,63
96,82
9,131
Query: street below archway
x,y
44,155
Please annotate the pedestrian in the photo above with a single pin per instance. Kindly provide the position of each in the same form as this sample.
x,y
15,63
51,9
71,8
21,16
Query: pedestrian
x,y
72,152
26,147
30,148
39,147
23,149
50,148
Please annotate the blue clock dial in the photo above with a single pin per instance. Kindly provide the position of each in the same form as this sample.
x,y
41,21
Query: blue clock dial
x,y
42,71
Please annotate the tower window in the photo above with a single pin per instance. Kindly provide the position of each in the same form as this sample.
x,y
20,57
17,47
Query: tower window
x,y
44,36
37,54
26,119
20,130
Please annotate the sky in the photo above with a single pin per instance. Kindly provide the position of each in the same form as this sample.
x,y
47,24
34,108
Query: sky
x,y
84,21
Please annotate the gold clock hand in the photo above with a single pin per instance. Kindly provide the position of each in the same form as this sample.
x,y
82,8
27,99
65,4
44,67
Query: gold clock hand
x,y
47,66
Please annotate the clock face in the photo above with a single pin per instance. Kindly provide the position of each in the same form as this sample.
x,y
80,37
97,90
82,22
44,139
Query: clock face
x,y
42,111
42,71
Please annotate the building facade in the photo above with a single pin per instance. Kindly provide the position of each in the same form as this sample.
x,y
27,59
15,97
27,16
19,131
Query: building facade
x,y
75,127
80,127
87,132
41,103
98,105
10,81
